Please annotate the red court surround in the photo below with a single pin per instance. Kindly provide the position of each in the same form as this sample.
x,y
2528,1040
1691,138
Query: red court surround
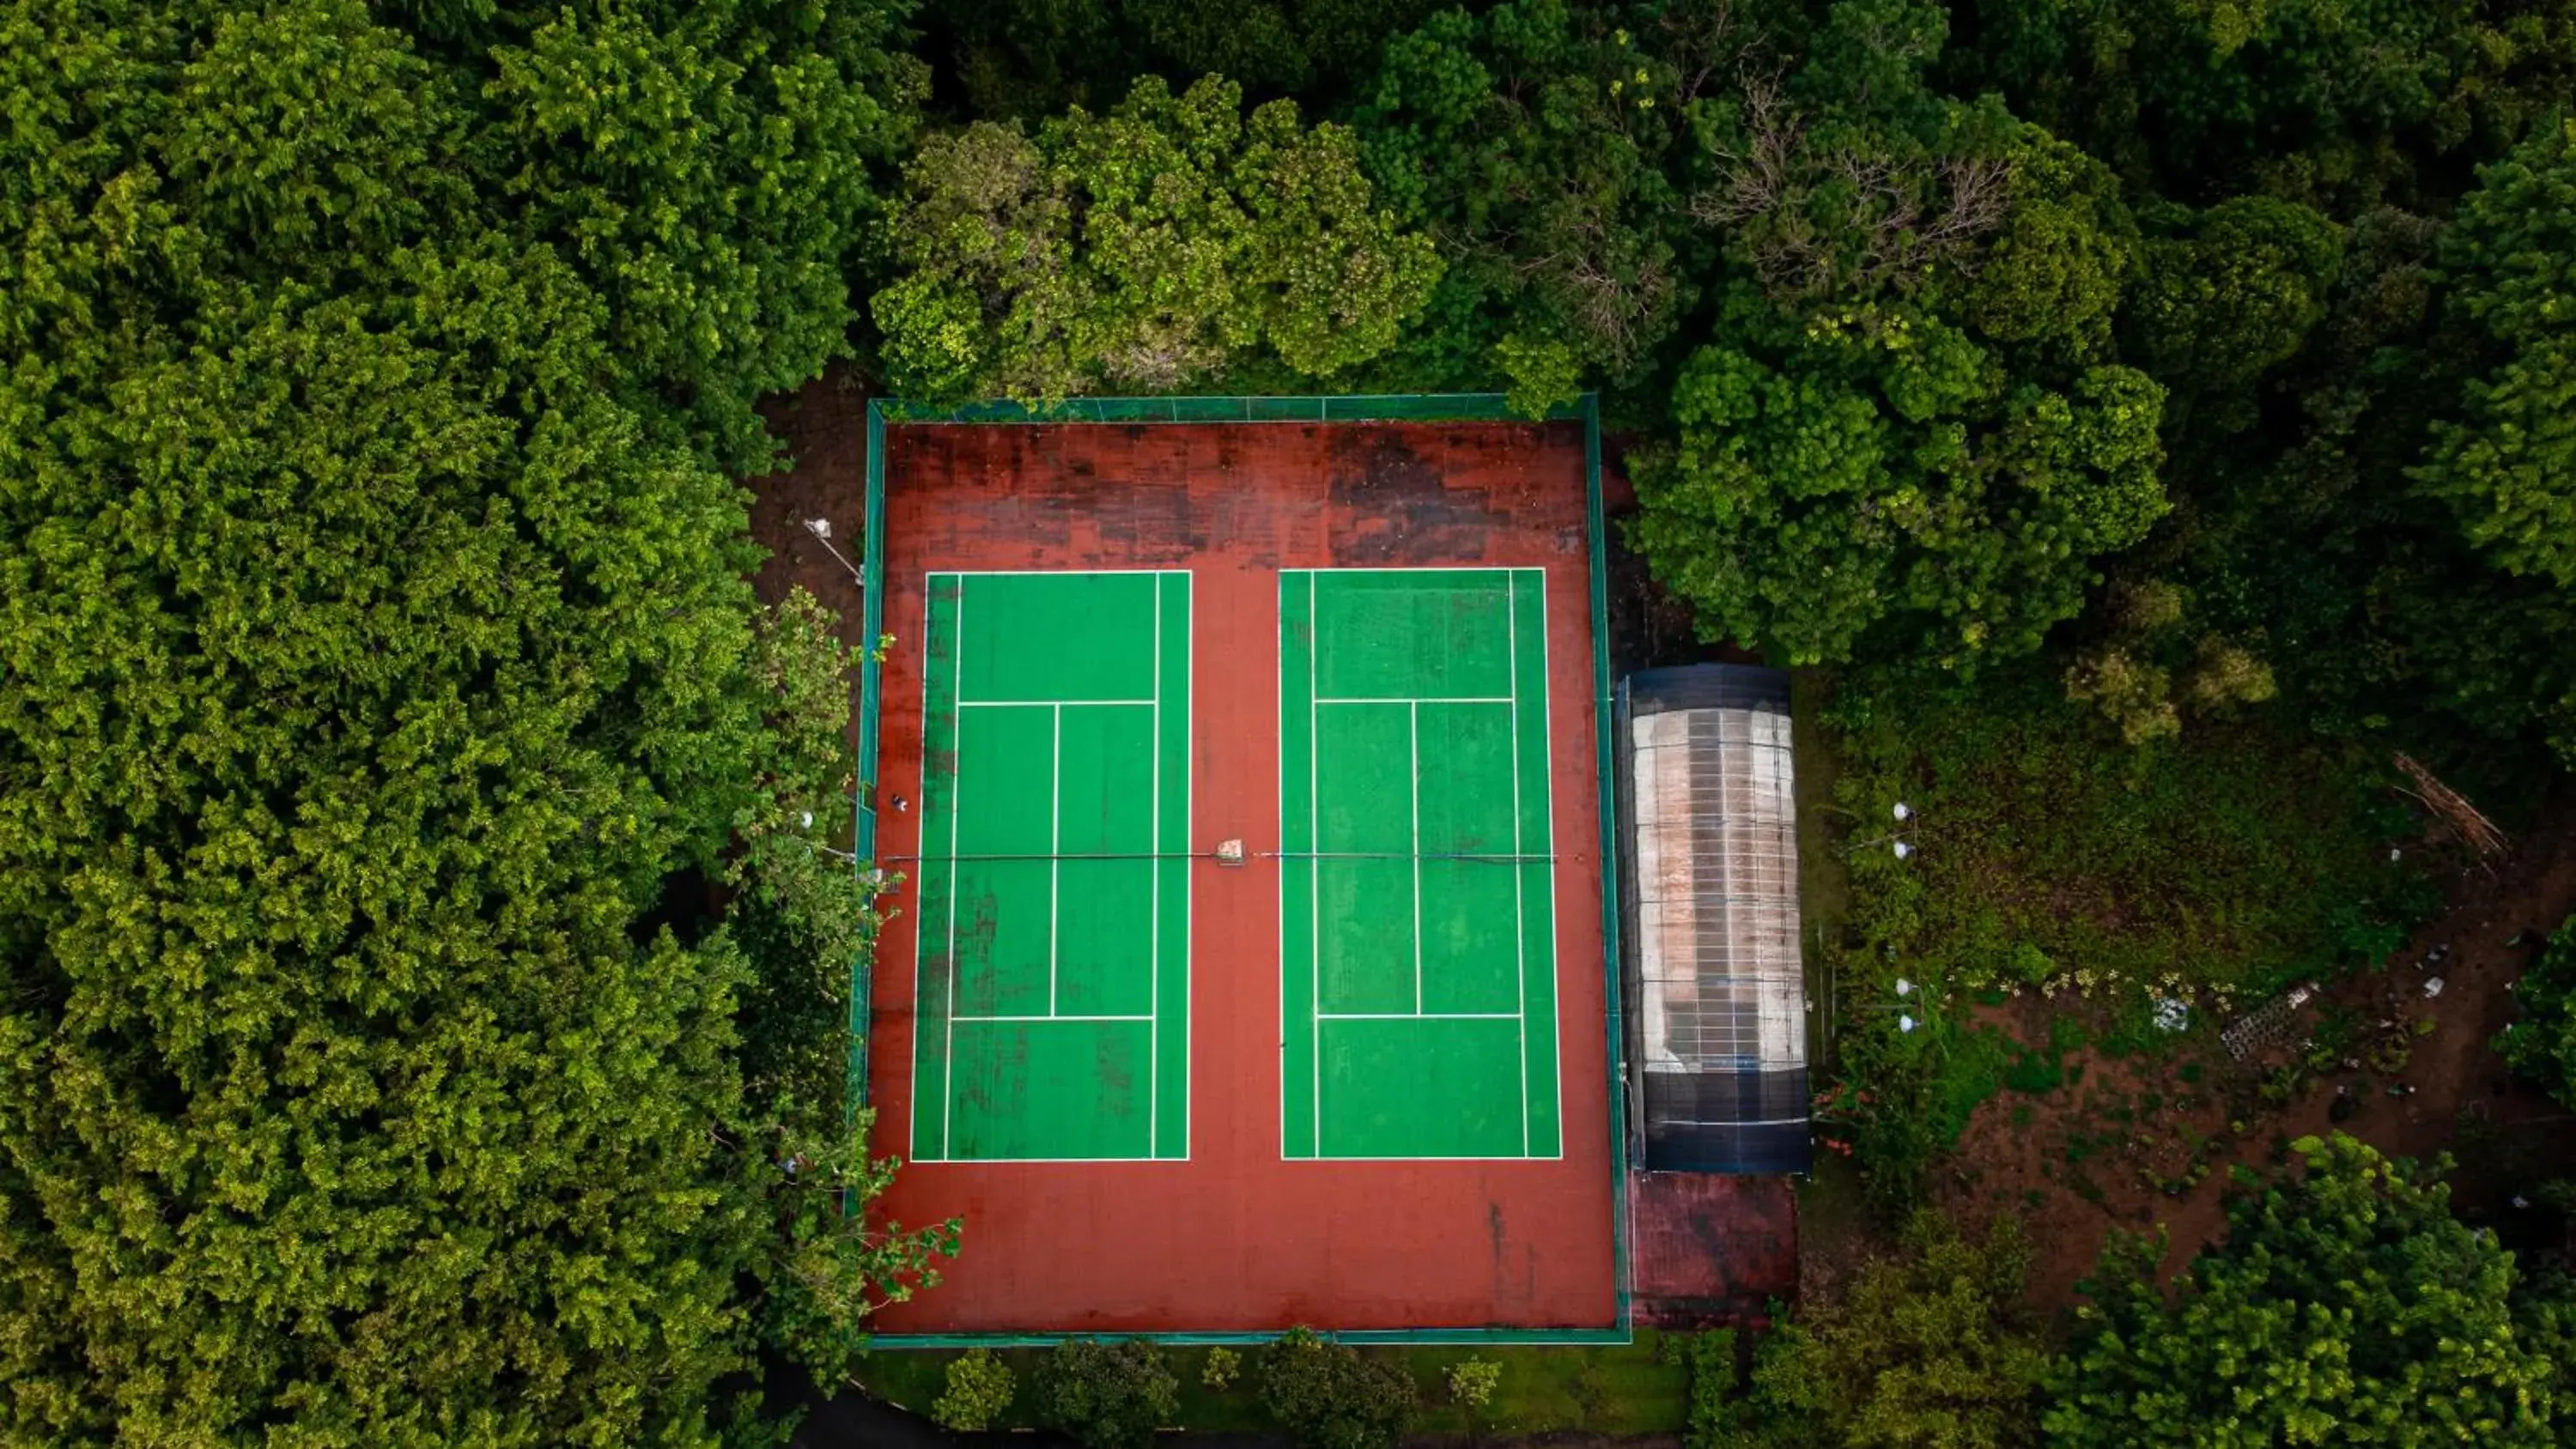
x,y
1235,1238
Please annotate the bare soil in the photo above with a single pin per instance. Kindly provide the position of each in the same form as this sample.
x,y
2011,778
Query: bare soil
x,y
822,428
2146,1142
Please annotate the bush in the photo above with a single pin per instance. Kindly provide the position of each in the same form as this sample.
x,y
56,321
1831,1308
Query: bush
x,y
1222,1365
979,1392
2542,1045
1107,1395
1472,1382
1709,1359
1328,1397
1929,1348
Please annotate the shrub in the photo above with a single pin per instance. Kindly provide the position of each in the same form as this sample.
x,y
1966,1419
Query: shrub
x,y
1328,1397
1107,1395
979,1392
1222,1366
1472,1382
1930,1347
2542,1045
1709,1359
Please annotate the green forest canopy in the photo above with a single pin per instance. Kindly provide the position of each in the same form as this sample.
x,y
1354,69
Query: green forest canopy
x,y
381,682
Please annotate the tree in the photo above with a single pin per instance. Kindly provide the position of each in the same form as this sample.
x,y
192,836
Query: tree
x,y
2218,309
2330,103
2346,1306
1858,466
1107,1395
379,688
1930,1348
2507,466
2542,1044
1023,59
1150,249
1537,140
1329,1397
980,1388
1878,466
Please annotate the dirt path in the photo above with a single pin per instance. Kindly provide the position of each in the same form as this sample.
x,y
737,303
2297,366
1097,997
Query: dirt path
x,y
823,426
2141,1143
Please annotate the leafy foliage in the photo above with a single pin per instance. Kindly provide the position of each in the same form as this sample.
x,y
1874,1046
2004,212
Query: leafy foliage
x,y
979,1393
1537,140
1880,468
2508,466
2236,297
1107,1395
1857,467
1716,1419
1147,250
1928,1348
2542,1044
377,676
1024,58
2347,1305
1327,1396
2329,102
1472,1381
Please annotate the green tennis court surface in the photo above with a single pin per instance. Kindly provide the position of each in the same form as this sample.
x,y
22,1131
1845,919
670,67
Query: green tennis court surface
x,y
1052,1006
1417,935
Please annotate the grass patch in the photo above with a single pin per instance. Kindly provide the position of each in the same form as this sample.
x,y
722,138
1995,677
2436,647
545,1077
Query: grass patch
x,y
2048,856
1598,1389
2035,1071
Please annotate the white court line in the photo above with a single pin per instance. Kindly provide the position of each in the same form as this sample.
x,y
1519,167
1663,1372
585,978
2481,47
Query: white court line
x,y
1315,875
921,934
1154,882
1414,715
1189,895
956,814
1046,574
1520,927
1547,816
1014,1020
1055,852
1415,569
1054,703
1419,699
1418,1016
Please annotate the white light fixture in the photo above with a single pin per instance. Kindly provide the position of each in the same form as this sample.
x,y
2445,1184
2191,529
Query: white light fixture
x,y
1904,811
1906,1023
1904,987
1903,850
821,528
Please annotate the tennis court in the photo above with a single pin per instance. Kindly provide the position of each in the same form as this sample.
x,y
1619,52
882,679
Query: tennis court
x,y
1417,937
1053,959
1355,1072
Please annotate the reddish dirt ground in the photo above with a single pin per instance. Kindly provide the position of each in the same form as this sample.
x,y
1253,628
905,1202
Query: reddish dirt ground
x,y
1235,1238
2107,1151
824,428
